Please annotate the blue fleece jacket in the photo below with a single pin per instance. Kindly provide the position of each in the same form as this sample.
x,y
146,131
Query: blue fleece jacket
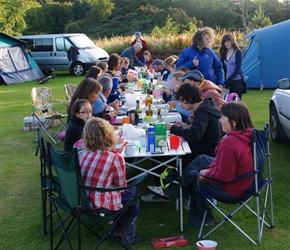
x,y
209,63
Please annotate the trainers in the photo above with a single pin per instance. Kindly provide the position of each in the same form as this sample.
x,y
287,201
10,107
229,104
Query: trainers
x,y
209,224
153,198
186,204
158,191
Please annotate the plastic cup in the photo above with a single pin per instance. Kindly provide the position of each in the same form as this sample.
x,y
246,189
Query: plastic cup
x,y
126,120
206,245
130,149
174,141
113,120
148,118
142,139
156,93
118,148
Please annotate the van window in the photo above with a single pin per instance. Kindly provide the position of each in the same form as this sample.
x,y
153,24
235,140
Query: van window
x,y
62,44
82,41
42,44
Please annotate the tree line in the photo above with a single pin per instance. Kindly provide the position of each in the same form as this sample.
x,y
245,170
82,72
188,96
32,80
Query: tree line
x,y
107,18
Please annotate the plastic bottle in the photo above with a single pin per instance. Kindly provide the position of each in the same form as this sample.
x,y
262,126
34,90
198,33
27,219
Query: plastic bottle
x,y
144,87
151,143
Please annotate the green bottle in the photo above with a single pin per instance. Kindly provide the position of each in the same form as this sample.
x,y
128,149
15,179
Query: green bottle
x,y
159,117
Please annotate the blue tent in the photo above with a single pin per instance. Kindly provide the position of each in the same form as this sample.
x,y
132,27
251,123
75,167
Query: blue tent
x,y
267,56
16,64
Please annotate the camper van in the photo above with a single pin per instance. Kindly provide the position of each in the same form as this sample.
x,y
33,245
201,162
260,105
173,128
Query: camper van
x,y
73,52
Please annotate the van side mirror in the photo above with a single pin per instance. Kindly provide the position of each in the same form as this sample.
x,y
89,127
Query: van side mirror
x,y
284,83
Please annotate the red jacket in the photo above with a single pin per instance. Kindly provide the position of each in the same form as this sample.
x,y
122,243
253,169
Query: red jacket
x,y
233,158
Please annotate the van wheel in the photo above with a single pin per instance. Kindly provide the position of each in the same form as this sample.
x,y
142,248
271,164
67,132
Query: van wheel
x,y
78,69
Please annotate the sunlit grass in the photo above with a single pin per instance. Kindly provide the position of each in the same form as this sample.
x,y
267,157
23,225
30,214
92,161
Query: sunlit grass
x,y
20,207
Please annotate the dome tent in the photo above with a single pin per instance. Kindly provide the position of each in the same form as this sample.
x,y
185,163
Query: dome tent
x,y
16,64
267,56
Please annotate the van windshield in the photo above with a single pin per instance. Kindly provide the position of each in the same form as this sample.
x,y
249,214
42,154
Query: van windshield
x,y
82,42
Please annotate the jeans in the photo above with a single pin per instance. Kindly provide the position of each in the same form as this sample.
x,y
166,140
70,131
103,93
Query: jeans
x,y
128,222
197,202
236,86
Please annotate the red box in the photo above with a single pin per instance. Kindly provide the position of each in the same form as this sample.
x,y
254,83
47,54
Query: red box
x,y
175,241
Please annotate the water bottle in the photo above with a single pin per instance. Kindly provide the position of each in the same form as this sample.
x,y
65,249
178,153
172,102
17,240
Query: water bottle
x,y
151,144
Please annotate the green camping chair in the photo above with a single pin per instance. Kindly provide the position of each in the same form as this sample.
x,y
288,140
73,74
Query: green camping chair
x,y
75,202
45,181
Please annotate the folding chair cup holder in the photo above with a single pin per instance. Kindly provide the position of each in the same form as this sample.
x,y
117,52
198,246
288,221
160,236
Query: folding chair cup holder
x,y
43,109
260,191
74,202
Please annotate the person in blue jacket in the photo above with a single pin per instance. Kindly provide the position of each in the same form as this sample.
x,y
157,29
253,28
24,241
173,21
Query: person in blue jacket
x,y
201,57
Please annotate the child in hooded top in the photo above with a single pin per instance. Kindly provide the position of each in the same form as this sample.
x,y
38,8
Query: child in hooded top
x,y
81,112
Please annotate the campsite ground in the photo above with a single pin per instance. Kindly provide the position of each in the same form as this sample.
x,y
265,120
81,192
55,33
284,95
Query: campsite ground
x,y
20,189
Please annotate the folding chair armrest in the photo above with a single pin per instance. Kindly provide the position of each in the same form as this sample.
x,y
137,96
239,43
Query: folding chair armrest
x,y
66,102
196,172
134,183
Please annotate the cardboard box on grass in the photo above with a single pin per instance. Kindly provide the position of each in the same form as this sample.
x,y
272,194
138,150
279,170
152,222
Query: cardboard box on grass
x,y
28,123
160,134
164,242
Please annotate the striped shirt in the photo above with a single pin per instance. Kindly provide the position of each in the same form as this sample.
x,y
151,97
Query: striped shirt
x,y
104,170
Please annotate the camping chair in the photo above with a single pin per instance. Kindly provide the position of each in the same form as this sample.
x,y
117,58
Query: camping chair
x,y
69,91
44,180
260,191
75,202
44,113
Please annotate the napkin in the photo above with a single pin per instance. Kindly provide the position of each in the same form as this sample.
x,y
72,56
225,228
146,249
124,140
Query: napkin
x,y
132,133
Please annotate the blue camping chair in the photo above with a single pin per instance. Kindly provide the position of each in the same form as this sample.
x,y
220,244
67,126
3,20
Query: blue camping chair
x,y
260,190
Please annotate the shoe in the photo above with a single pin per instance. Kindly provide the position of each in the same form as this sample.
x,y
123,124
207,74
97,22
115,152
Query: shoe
x,y
133,241
158,191
209,224
153,198
186,204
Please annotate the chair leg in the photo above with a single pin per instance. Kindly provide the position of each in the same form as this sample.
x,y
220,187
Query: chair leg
x,y
228,218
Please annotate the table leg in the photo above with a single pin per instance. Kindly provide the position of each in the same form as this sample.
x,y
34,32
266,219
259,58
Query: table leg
x,y
180,194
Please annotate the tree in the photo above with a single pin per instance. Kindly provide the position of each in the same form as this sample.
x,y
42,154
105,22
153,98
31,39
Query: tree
x,y
51,18
99,10
259,20
80,9
170,28
12,15
246,10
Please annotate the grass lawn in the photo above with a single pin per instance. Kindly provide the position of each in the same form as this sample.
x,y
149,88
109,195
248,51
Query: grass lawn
x,y
20,207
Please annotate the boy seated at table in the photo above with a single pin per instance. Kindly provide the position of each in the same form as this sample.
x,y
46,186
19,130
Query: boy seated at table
x,y
203,135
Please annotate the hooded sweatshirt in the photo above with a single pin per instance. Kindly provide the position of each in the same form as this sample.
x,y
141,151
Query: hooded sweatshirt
x,y
210,90
233,158
205,132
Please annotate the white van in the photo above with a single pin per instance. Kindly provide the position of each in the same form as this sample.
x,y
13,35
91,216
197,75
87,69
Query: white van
x,y
74,52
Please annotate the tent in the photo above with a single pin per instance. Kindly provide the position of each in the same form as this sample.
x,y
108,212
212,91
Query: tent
x,y
16,64
267,56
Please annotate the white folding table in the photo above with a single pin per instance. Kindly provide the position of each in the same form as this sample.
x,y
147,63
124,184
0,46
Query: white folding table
x,y
175,154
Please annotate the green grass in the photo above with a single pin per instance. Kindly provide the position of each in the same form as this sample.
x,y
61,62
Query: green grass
x,y
20,206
